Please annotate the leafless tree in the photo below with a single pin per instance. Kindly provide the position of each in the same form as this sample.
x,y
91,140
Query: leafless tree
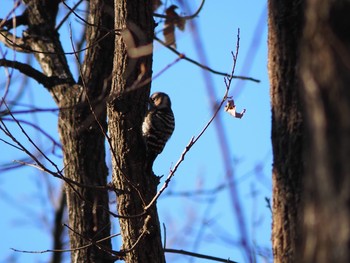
x,y
115,74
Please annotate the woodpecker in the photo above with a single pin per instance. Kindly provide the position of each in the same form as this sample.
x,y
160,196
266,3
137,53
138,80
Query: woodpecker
x,y
158,125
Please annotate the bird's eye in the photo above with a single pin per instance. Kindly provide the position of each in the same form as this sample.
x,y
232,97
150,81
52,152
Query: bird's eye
x,y
156,100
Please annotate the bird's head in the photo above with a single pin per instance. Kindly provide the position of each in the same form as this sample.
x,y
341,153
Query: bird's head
x,y
160,100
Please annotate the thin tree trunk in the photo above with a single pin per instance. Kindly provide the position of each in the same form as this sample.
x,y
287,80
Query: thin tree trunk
x,y
81,136
285,27
140,234
325,70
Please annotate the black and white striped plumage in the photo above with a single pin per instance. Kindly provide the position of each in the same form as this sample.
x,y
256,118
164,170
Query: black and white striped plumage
x,y
158,125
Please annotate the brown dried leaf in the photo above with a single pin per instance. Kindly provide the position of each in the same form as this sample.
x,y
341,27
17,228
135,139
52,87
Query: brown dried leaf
x,y
169,34
172,20
230,107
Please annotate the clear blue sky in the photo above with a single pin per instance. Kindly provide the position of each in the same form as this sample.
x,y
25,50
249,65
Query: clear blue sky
x,y
203,223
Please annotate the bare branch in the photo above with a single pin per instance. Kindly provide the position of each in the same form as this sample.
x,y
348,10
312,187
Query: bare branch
x,y
183,56
47,82
71,10
4,22
119,254
197,255
167,250
39,165
96,243
22,148
33,110
20,45
12,41
72,249
171,174
14,21
200,192
36,127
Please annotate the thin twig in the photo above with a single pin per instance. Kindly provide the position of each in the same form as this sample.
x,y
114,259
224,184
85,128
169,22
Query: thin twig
x,y
73,249
197,193
43,168
96,243
71,10
12,11
8,133
31,141
183,56
23,48
10,40
197,255
34,110
36,127
31,72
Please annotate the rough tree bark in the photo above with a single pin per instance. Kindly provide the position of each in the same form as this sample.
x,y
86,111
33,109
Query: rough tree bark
x,y
285,27
318,228
81,137
126,109
325,70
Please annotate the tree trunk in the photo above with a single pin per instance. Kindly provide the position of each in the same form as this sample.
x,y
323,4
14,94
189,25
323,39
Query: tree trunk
x,y
127,106
81,136
285,27
325,70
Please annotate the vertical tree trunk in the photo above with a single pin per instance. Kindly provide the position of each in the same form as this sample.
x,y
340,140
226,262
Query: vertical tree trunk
x,y
84,161
83,140
285,27
325,70
81,137
140,233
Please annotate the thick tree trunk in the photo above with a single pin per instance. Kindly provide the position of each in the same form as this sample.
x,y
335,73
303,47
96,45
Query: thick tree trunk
x,y
285,27
140,233
325,70
81,136
83,140
84,161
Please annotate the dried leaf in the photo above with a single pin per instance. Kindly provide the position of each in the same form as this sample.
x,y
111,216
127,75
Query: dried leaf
x,y
230,107
172,20
169,34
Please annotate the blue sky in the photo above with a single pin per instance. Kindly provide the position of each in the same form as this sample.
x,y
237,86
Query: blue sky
x,y
201,223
